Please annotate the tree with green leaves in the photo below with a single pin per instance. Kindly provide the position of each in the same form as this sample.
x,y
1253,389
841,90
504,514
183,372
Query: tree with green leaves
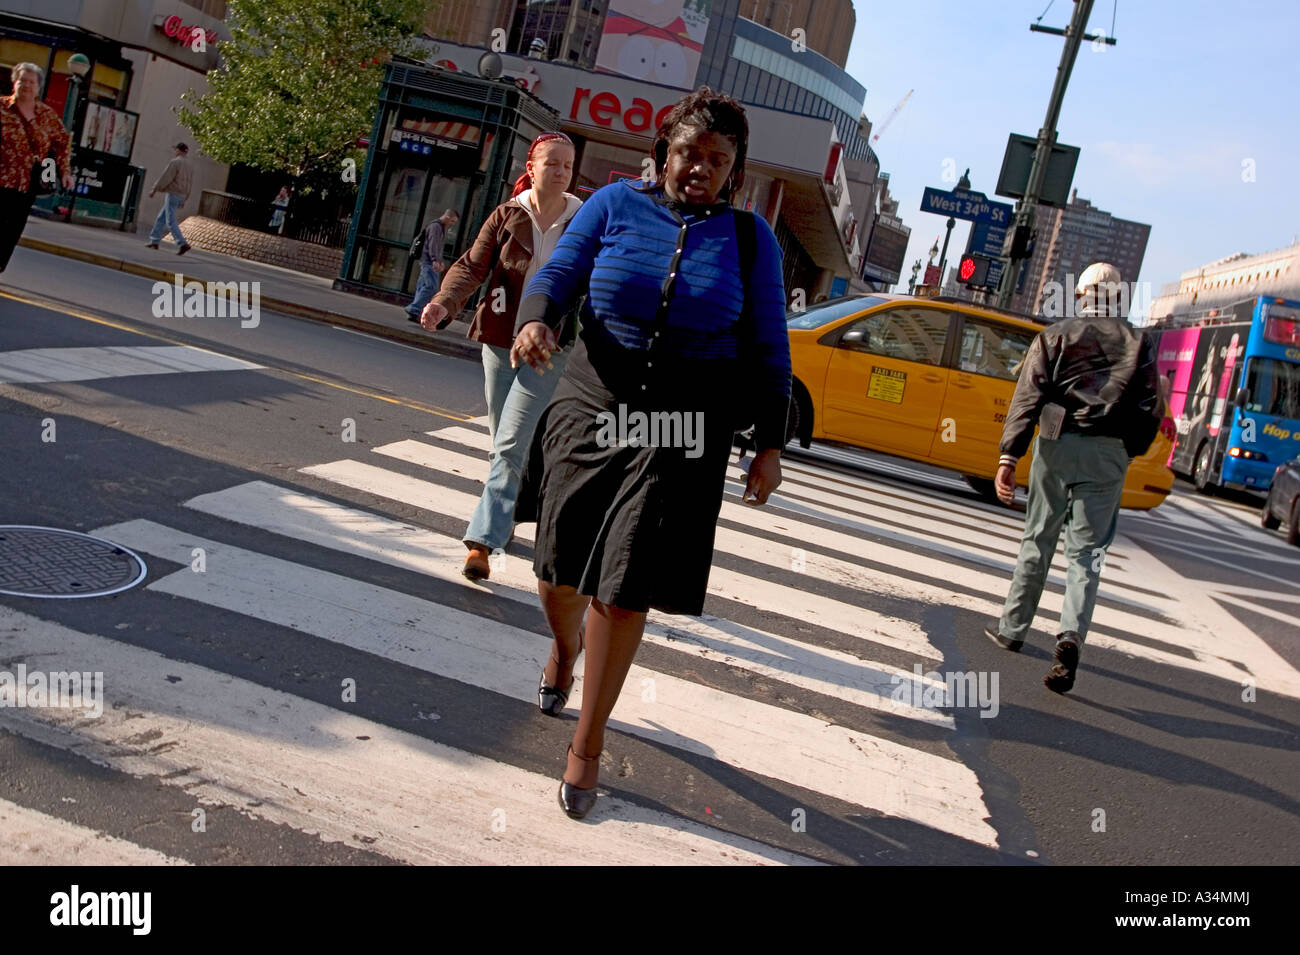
x,y
299,81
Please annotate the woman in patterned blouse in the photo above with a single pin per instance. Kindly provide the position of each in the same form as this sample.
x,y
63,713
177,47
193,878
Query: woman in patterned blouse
x,y
30,130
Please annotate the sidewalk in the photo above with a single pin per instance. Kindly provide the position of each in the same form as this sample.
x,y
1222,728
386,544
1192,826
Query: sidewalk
x,y
282,290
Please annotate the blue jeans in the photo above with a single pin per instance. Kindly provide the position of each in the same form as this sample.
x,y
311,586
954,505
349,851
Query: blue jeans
x,y
516,398
1075,482
425,289
167,219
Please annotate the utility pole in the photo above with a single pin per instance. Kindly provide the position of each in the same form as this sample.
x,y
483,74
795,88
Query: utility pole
x,y
1015,250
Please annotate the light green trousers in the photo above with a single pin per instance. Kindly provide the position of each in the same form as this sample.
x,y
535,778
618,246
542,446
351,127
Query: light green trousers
x,y
1075,482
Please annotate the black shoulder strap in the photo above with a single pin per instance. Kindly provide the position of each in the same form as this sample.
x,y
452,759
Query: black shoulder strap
x,y
747,243
747,239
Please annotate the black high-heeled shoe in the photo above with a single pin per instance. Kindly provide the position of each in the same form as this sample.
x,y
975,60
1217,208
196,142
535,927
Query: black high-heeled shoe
x,y
551,699
577,802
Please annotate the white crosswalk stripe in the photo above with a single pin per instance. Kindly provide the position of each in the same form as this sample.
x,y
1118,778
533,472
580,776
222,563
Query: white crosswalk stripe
x,y
321,770
33,365
763,739
35,838
227,741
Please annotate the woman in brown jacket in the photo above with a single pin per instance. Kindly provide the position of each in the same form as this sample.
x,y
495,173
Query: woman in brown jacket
x,y
515,242
29,132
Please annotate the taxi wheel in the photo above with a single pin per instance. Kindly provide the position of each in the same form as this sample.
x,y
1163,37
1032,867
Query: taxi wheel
x,y
1293,529
1266,518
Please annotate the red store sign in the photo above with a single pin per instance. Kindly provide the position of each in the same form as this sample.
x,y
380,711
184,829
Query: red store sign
x,y
179,32
605,107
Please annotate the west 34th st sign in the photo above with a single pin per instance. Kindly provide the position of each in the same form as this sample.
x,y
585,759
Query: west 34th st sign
x,y
961,204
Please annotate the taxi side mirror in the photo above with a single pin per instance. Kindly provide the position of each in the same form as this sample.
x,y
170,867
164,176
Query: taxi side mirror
x,y
853,336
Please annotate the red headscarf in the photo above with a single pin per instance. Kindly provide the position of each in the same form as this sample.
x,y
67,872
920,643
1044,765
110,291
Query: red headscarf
x,y
524,181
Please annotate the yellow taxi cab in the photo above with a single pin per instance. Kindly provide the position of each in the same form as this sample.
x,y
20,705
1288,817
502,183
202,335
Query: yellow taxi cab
x,y
928,379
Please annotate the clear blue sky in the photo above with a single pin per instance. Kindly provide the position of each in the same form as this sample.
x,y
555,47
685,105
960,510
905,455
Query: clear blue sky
x,y
1164,119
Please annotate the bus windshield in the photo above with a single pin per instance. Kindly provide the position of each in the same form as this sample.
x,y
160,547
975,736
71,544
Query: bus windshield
x,y
827,312
1273,387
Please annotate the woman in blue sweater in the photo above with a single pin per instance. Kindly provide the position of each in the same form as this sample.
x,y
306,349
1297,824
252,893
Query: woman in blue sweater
x,y
678,350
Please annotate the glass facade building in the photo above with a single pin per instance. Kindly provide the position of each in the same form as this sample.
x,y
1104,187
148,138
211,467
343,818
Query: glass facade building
x,y
759,66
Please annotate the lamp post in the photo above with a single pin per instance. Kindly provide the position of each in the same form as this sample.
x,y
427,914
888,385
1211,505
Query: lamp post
x,y
962,184
911,286
78,66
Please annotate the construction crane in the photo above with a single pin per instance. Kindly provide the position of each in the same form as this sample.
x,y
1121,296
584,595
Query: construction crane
x,y
890,118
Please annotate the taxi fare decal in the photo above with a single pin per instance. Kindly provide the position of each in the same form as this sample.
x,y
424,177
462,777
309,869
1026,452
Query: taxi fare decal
x,y
886,384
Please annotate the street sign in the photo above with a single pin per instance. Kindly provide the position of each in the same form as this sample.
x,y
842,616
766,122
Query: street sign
x,y
931,275
1016,161
964,204
986,239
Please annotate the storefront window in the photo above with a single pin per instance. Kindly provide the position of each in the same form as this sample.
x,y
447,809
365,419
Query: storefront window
x,y
107,85
13,52
603,164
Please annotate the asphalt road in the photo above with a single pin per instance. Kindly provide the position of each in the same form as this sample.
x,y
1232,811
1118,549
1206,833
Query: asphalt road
x,y
768,731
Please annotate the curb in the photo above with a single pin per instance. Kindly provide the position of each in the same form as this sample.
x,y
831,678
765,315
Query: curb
x,y
442,344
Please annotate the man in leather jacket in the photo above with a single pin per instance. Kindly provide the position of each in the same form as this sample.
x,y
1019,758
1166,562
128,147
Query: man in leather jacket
x,y
1090,385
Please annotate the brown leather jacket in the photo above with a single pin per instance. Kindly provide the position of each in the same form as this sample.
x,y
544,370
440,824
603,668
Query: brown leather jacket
x,y
500,254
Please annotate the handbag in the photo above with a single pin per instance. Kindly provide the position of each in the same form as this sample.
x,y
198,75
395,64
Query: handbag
x,y
36,183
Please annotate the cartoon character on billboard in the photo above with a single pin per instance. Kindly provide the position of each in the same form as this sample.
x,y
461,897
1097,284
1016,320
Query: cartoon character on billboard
x,y
655,40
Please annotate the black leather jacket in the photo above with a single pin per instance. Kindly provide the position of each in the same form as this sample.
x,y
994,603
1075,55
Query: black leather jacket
x,y
1101,370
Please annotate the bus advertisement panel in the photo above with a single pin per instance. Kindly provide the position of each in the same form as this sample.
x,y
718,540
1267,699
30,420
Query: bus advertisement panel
x,y
1235,392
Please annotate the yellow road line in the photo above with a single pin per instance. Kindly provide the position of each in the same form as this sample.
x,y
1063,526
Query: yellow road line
x,y
74,313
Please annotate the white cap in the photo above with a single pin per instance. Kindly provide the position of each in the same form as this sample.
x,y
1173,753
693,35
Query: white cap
x,y
1099,273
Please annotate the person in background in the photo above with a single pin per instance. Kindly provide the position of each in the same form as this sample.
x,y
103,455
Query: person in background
x,y
672,330
29,131
279,204
1089,384
430,243
175,183
517,239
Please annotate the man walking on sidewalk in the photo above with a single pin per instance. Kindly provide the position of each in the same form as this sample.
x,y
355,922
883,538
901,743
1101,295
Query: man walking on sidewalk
x,y
174,183
429,245
1090,385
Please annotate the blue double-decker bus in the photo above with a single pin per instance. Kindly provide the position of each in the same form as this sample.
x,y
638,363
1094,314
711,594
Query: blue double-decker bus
x,y
1233,378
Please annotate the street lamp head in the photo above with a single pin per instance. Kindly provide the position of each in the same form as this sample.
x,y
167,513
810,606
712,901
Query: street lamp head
x,y
78,64
490,66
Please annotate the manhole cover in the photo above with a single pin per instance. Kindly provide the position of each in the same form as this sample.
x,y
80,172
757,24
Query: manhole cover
x,y
48,562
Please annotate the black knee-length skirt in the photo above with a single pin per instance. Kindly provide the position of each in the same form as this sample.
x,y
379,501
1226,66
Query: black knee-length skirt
x,y
626,476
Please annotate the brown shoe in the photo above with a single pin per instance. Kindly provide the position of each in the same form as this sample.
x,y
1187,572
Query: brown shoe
x,y
476,564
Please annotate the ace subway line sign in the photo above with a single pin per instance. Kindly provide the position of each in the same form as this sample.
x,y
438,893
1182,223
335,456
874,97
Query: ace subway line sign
x,y
962,204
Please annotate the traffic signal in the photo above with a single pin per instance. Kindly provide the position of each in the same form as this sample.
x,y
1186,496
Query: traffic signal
x,y
1018,243
973,270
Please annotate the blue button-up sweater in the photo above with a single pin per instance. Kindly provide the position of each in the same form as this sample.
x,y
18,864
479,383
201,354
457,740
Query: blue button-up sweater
x,y
622,247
